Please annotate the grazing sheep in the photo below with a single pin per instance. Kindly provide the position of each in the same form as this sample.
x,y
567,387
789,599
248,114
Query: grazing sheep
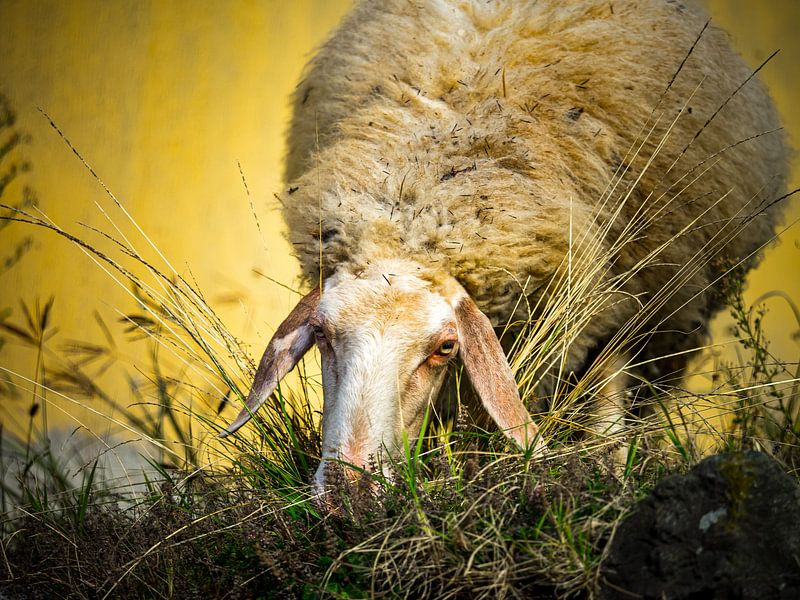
x,y
448,157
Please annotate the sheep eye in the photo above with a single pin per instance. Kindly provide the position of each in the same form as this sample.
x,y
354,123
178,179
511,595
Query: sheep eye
x,y
318,332
447,348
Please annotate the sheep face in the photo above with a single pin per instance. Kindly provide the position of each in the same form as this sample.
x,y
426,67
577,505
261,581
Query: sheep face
x,y
386,335
386,339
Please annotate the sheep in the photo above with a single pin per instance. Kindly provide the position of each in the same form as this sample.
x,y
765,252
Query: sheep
x,y
449,159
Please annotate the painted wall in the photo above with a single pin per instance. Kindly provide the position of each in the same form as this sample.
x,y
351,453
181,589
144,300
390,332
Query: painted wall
x,y
757,30
163,99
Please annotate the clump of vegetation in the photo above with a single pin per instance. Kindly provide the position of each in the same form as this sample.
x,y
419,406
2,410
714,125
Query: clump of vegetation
x,y
766,414
456,520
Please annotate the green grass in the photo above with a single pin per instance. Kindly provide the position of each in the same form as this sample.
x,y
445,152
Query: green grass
x,y
462,515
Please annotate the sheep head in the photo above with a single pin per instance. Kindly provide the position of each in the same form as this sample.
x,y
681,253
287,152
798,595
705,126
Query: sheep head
x,y
386,336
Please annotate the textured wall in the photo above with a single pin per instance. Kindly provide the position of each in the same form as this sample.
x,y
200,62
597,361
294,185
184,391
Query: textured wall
x,y
162,99
757,30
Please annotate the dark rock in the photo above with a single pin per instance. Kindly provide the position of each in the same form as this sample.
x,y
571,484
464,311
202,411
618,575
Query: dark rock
x,y
730,528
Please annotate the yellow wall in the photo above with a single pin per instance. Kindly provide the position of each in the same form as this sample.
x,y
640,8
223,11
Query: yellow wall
x,y
163,99
758,29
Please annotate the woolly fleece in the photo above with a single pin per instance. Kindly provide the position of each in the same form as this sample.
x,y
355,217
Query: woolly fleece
x,y
476,138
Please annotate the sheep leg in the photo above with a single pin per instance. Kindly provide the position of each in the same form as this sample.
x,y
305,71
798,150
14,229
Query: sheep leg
x,y
610,408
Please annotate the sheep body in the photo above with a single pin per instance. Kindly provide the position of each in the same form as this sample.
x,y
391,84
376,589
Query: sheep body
x,y
478,138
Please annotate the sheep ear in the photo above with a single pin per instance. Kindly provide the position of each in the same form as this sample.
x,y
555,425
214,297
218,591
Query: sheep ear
x,y
491,376
291,341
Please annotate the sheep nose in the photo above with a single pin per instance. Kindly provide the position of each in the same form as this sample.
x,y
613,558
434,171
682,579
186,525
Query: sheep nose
x,y
345,469
354,467
333,479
